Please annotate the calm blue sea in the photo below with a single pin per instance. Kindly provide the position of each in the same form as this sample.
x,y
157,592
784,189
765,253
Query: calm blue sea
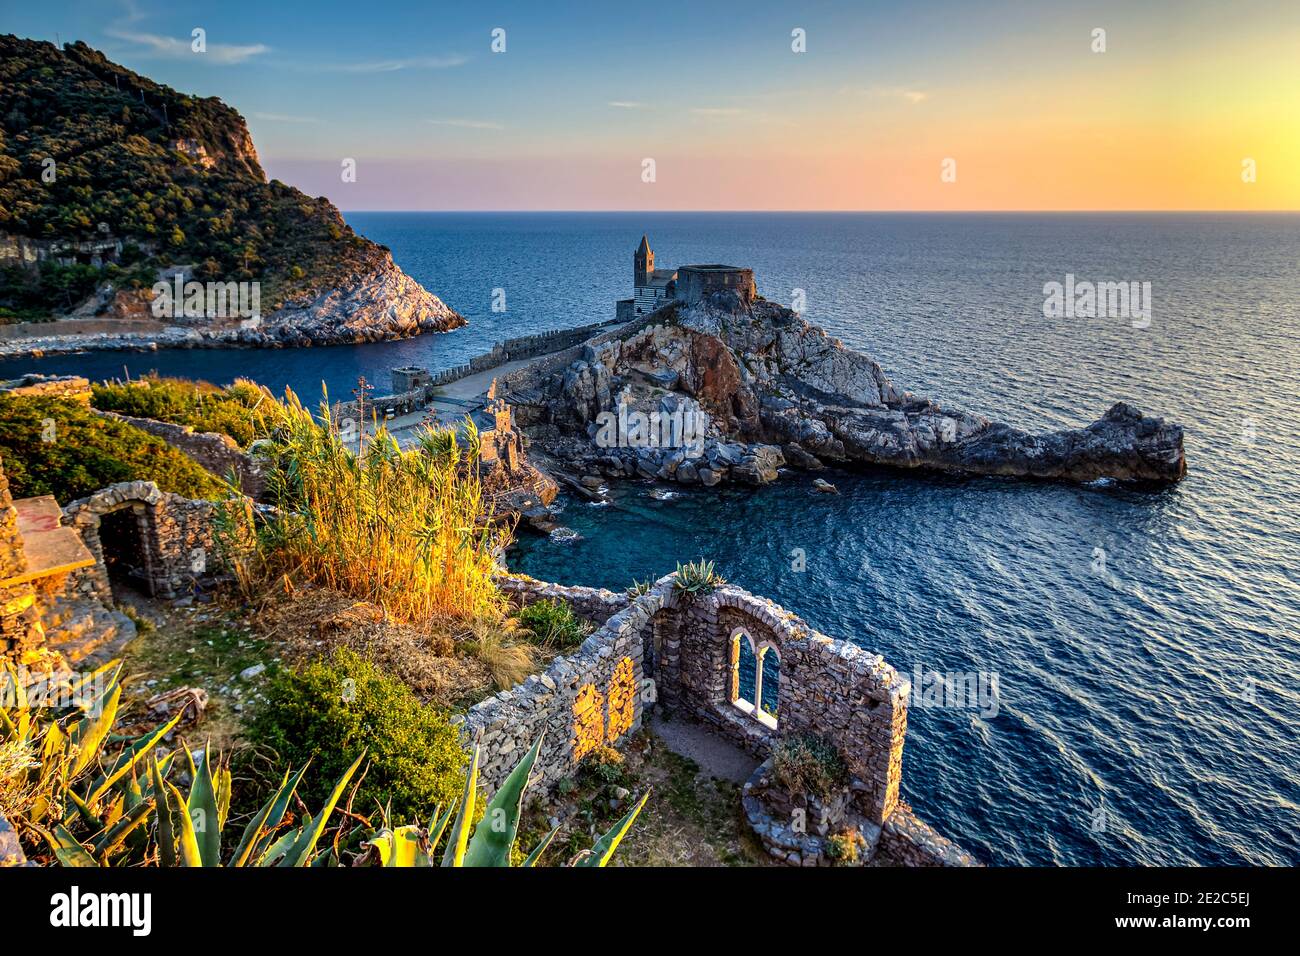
x,y
1159,681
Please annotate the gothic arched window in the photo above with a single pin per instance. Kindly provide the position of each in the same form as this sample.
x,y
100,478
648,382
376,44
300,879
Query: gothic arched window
x,y
754,678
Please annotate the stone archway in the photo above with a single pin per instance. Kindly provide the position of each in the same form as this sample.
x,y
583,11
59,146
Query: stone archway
x,y
119,525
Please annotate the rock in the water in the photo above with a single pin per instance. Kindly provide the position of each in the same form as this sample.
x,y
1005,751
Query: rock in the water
x,y
766,387
824,486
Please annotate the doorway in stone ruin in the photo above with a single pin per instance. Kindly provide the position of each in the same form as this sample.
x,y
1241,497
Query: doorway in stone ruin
x,y
126,558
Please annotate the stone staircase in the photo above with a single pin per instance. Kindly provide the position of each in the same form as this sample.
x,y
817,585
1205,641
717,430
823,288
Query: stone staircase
x,y
86,632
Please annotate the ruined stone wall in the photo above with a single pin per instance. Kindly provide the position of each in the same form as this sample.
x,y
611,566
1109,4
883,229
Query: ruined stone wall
x,y
19,624
593,605
907,840
218,454
586,700
696,283
675,649
177,538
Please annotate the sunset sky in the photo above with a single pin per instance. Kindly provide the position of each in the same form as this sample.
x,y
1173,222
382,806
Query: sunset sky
x,y
733,119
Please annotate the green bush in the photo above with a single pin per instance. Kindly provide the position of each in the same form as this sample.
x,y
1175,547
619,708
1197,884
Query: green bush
x,y
806,763
606,765
57,447
236,410
329,710
553,624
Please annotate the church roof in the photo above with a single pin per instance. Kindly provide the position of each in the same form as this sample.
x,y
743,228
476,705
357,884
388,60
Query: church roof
x,y
644,247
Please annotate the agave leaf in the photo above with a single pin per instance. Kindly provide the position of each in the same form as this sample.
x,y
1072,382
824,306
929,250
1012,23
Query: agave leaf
x,y
279,847
268,818
300,853
110,841
56,743
202,812
188,841
439,823
222,782
456,843
67,850
606,845
142,747
532,858
88,734
166,836
385,845
84,811
412,847
495,834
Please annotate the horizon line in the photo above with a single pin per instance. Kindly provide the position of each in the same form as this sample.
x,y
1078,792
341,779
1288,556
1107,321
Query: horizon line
x,y
838,212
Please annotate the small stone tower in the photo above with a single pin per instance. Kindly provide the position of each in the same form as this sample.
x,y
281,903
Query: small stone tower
x,y
643,263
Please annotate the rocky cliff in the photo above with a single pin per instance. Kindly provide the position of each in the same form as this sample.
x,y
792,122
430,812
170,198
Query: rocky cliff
x,y
110,182
758,388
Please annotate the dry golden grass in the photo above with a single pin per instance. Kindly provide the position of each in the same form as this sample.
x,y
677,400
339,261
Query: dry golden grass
x,y
497,645
310,623
406,530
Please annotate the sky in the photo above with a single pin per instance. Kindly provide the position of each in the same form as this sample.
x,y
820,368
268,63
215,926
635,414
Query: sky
x,y
891,106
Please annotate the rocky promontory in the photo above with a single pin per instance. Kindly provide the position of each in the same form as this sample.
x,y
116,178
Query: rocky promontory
x,y
760,388
111,183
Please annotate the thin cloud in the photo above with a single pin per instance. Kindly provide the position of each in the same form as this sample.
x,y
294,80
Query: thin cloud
x,y
172,48
283,118
627,105
907,94
393,66
465,123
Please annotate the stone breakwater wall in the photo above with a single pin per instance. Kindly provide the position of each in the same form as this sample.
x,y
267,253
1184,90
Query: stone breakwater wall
x,y
169,541
593,605
671,650
382,406
908,840
526,346
218,454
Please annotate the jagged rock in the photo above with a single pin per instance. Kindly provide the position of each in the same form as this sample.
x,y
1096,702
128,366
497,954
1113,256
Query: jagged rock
x,y
824,486
768,379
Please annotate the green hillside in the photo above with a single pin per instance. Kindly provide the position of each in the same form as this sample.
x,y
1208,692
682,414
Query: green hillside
x,y
173,176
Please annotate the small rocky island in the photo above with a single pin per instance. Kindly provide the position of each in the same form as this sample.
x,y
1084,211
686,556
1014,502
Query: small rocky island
x,y
729,386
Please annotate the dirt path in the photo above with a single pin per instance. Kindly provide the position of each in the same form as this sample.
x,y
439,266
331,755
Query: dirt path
x,y
715,756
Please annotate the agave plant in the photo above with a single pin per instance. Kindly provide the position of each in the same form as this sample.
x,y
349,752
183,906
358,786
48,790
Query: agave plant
x,y
638,588
59,786
132,813
492,841
698,577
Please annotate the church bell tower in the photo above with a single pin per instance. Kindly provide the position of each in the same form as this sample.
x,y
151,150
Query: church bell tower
x,y
643,263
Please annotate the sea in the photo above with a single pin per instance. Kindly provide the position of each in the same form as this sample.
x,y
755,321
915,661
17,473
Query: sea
x,y
1142,642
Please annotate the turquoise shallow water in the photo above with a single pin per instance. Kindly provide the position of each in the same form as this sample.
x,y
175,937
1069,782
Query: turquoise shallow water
x,y
1164,687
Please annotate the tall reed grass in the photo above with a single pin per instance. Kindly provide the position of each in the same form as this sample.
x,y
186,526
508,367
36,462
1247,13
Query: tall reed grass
x,y
405,529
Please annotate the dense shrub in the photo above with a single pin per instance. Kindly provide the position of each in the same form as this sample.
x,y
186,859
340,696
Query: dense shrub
x,y
329,710
237,410
87,452
806,763
553,624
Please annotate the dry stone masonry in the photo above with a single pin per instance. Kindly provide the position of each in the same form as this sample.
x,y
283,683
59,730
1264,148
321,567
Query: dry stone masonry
x,y
669,650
